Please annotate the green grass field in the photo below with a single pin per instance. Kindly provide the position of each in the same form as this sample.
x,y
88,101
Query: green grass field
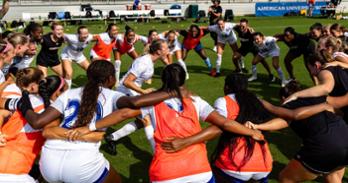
x,y
134,154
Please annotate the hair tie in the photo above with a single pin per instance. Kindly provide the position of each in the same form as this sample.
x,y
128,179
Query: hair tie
x,y
7,48
62,83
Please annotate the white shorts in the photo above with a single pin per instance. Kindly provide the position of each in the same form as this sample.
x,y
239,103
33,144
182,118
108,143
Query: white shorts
x,y
94,55
127,91
272,53
76,57
23,178
245,176
83,166
230,40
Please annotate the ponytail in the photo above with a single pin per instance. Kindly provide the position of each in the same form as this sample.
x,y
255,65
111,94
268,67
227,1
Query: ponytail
x,y
98,74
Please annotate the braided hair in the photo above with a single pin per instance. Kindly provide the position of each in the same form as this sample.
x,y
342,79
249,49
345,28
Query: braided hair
x,y
49,86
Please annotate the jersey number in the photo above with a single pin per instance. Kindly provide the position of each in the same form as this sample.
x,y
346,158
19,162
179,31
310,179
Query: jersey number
x,y
74,106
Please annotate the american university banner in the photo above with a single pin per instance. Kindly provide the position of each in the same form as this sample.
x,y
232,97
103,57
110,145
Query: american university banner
x,y
282,8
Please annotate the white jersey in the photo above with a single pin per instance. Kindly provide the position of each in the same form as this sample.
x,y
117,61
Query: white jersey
x,y
174,46
142,68
227,32
268,47
220,105
22,62
69,103
202,107
2,77
12,91
74,49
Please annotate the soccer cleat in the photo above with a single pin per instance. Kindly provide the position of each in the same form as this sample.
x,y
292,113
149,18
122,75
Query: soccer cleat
x,y
238,71
213,72
110,146
252,78
218,74
271,78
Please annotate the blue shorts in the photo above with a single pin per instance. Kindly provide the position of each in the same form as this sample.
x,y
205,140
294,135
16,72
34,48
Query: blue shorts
x,y
198,48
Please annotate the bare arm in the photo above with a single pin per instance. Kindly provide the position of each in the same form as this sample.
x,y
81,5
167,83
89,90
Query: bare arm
x,y
144,100
5,8
129,83
38,121
326,85
296,114
176,144
53,131
232,126
272,125
338,102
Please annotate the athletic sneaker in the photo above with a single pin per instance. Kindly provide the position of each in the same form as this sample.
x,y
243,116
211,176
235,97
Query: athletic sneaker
x,y
110,146
218,74
252,78
271,78
245,71
187,76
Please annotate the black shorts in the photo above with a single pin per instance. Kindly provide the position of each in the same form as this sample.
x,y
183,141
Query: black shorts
x,y
245,49
325,153
49,62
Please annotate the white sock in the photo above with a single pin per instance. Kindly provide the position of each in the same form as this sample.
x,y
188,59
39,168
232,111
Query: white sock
x,y
68,82
183,64
241,63
280,74
124,131
218,63
118,71
149,132
254,70
207,62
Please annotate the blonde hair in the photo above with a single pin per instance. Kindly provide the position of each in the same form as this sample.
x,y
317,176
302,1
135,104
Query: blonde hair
x,y
18,39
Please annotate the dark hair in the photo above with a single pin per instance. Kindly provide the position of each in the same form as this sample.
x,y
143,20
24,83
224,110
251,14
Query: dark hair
x,y
28,75
151,31
110,27
155,46
258,34
194,26
48,86
290,30
98,73
5,34
55,24
289,89
173,77
80,28
128,30
244,20
320,56
250,109
32,27
316,26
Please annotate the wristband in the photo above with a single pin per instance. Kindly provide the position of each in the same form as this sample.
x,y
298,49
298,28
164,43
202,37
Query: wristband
x,y
11,104
92,127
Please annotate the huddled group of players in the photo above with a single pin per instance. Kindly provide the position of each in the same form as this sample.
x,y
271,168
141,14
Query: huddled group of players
x,y
43,118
